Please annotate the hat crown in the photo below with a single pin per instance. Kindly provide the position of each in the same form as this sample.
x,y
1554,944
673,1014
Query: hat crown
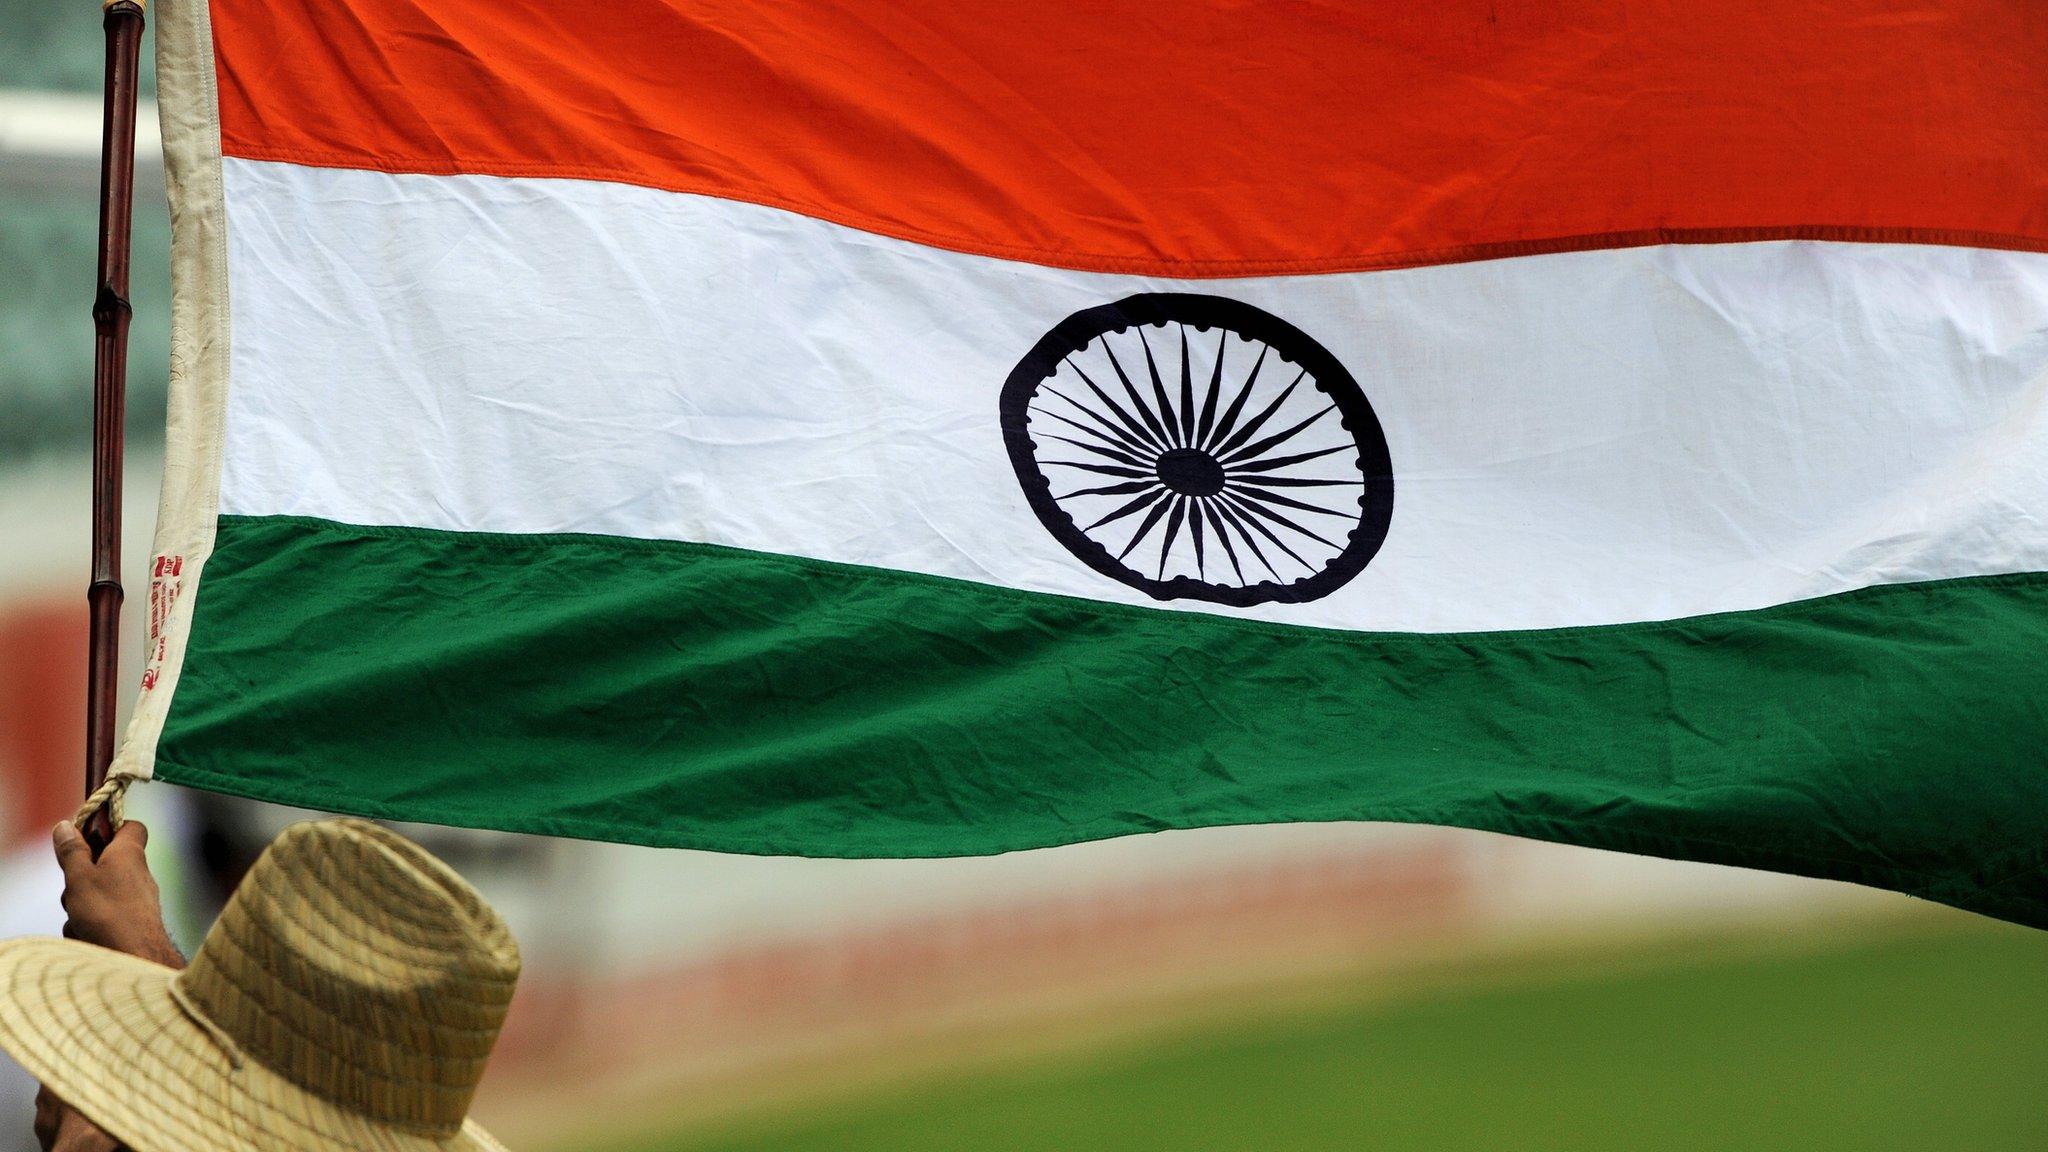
x,y
360,968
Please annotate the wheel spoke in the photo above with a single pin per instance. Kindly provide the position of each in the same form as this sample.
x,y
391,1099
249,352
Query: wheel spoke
x,y
1223,510
1252,427
1100,425
1187,391
1116,441
1285,502
1195,529
1297,482
1129,420
1258,526
1166,414
1111,453
1123,489
1258,518
1173,520
1151,418
1263,512
1289,461
1208,509
1151,518
1103,469
1215,387
1229,421
1134,506
1275,439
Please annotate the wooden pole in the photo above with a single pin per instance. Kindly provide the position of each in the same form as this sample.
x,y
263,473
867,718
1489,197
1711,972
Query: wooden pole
x,y
123,21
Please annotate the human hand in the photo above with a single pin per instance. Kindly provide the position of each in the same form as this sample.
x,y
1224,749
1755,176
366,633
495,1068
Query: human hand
x,y
113,901
61,1128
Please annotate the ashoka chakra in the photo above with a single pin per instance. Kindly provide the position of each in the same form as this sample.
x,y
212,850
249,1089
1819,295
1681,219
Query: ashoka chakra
x,y
1196,447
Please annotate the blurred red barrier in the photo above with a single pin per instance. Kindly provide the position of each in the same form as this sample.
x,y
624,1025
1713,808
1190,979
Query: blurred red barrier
x,y
42,716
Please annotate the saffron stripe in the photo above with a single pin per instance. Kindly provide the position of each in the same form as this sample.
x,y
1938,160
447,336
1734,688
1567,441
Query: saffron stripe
x,y
1195,139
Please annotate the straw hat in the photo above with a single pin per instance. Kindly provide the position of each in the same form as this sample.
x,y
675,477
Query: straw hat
x,y
347,998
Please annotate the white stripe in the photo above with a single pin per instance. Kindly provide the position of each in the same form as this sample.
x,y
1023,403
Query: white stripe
x,y
1584,438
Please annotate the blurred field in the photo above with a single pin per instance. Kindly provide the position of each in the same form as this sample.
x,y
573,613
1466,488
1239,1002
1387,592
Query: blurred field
x,y
1930,1035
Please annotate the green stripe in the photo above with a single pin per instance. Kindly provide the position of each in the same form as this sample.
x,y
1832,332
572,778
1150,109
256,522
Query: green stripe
x,y
689,695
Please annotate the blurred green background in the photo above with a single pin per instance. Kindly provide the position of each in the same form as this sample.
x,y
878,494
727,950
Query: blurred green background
x,y
49,230
1926,1037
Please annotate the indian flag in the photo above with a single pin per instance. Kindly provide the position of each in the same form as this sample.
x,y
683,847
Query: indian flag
x,y
945,428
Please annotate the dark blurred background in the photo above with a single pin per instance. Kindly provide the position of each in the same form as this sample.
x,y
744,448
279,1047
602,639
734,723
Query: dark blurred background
x,y
1299,988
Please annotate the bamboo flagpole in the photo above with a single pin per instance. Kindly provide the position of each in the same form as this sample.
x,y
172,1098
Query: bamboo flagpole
x,y
123,21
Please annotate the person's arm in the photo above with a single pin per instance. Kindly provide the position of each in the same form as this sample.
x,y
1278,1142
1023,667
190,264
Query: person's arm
x,y
60,1128
112,902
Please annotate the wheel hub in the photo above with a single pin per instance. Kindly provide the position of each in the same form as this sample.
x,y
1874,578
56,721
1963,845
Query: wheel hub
x,y
1190,472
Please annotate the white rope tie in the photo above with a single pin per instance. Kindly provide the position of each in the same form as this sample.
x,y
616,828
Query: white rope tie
x,y
110,796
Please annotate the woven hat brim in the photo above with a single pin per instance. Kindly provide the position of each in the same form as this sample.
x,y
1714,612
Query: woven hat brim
x,y
101,1030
